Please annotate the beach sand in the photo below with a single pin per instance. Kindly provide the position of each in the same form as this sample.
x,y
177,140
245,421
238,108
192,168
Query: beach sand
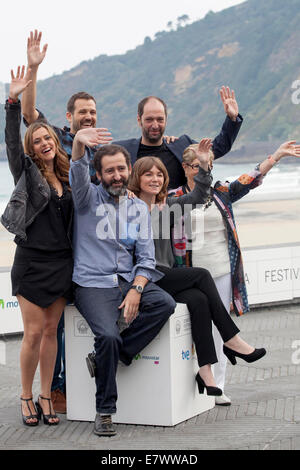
x,y
262,223
268,223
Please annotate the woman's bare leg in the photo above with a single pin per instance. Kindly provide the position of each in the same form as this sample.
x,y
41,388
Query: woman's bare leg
x,y
48,351
33,320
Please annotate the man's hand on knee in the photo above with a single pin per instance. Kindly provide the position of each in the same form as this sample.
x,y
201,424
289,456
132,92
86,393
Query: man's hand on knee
x,y
131,305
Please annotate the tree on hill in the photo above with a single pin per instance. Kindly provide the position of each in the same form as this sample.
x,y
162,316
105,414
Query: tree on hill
x,y
182,20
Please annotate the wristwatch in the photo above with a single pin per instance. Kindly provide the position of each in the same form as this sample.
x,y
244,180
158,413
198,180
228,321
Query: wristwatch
x,y
138,288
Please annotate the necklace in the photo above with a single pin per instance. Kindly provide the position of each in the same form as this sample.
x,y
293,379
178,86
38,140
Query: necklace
x,y
208,201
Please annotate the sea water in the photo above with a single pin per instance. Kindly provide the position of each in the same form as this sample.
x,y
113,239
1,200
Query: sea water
x,y
282,182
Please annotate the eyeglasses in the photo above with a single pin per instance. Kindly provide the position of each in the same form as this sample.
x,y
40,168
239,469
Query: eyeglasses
x,y
196,166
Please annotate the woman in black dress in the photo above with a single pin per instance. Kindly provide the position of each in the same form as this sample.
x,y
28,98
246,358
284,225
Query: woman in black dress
x,y
40,214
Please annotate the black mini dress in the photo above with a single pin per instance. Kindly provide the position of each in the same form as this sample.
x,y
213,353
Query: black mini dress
x,y
43,264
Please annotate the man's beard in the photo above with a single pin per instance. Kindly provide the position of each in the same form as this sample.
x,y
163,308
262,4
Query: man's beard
x,y
78,125
153,139
121,191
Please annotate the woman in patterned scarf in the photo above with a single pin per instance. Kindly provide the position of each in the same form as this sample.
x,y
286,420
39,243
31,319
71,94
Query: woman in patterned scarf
x,y
216,246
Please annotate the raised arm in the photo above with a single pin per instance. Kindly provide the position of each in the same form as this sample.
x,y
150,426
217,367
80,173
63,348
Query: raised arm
x,y
14,147
287,149
203,179
240,187
229,102
79,171
223,142
35,57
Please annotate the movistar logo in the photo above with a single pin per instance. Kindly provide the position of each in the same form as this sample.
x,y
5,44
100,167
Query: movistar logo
x,y
10,304
155,359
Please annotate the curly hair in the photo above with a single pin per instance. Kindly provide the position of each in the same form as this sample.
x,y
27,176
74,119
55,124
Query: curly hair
x,y
61,160
141,166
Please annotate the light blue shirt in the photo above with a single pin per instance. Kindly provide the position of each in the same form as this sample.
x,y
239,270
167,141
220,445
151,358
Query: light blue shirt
x,y
110,238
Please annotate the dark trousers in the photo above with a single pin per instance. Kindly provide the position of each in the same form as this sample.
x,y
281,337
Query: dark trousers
x,y
99,306
59,376
196,288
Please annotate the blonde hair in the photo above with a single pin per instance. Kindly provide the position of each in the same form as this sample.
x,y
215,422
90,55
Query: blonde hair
x,y
189,155
61,160
141,166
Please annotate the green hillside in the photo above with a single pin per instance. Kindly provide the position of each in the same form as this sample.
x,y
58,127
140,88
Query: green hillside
x,y
252,47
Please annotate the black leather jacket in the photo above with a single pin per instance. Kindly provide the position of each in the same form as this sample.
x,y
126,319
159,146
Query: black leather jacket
x,y
32,192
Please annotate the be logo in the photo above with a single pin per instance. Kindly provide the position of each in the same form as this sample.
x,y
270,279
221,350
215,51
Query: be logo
x,y
186,355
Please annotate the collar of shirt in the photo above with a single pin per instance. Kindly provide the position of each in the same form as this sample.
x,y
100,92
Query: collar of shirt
x,y
67,130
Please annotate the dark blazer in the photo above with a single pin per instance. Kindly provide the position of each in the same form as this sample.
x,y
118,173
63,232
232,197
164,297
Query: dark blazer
x,y
32,192
222,143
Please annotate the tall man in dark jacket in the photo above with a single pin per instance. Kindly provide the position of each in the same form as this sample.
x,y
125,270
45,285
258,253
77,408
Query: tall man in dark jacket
x,y
152,119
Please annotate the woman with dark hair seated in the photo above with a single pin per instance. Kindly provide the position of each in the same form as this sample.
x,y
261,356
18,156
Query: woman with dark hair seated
x,y
192,286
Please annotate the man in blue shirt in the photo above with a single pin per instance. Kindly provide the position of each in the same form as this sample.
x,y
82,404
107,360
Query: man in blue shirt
x,y
109,223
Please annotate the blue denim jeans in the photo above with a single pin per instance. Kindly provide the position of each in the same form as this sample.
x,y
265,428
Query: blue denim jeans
x,y
99,306
59,376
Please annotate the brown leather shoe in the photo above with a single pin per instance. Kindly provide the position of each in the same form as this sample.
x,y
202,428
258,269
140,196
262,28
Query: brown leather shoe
x,y
103,426
59,401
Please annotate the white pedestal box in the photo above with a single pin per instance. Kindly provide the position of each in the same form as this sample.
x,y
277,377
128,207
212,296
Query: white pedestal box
x,y
158,388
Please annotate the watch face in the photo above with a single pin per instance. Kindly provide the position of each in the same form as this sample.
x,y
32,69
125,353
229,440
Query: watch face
x,y
139,289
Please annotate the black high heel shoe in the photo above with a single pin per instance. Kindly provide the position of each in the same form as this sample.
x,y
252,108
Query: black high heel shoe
x,y
252,357
26,418
41,412
212,391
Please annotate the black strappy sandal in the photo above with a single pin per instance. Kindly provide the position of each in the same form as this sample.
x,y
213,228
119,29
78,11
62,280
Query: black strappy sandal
x,y
46,417
25,418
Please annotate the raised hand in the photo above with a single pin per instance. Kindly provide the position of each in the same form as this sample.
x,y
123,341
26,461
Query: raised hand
x,y
94,136
89,137
19,82
35,55
287,149
202,152
229,102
